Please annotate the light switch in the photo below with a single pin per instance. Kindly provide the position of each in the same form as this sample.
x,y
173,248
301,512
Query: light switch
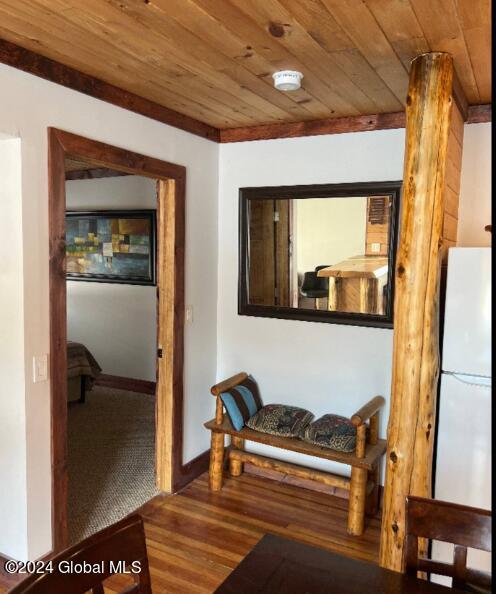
x,y
189,314
40,368
375,247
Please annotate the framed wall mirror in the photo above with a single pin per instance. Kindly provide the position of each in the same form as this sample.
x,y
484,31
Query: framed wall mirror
x,y
321,253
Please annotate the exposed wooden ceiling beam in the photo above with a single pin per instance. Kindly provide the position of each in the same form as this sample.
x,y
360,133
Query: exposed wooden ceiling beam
x,y
28,61
316,127
382,121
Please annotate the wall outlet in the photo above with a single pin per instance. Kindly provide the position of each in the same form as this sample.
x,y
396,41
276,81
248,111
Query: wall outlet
x,y
40,368
375,247
189,314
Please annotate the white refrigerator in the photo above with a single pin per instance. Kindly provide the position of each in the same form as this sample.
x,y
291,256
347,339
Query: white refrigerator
x,y
463,457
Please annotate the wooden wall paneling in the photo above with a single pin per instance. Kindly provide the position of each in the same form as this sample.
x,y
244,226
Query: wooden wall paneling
x,y
262,271
282,252
412,417
452,181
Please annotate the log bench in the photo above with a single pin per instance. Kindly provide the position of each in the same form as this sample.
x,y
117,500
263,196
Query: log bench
x,y
364,461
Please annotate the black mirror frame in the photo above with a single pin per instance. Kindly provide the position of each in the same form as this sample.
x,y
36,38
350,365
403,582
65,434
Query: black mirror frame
x,y
392,188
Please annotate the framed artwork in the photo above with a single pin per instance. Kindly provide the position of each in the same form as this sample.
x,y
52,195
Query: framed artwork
x,y
111,246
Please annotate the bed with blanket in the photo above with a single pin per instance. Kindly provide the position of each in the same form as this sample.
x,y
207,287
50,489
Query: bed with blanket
x,y
82,371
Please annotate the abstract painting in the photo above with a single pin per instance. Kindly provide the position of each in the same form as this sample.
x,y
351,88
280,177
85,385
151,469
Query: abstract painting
x,y
111,246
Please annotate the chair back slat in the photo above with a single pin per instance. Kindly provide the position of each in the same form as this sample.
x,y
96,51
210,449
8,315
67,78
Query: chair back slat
x,y
465,527
111,549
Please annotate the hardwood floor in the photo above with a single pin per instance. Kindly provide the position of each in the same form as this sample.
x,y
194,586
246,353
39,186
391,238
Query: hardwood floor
x,y
196,538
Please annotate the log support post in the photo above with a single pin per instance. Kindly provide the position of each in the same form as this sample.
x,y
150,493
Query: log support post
x,y
416,308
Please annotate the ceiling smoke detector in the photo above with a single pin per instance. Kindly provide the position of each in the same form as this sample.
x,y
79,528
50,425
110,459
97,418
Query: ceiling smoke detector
x,y
287,80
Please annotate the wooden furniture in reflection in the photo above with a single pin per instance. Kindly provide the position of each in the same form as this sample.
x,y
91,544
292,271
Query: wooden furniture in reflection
x,y
357,284
123,542
364,483
465,527
278,565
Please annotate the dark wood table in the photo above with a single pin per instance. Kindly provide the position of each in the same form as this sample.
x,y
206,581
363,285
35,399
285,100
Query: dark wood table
x,y
280,566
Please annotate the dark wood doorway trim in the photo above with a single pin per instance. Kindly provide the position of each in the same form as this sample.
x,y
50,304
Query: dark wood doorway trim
x,y
170,471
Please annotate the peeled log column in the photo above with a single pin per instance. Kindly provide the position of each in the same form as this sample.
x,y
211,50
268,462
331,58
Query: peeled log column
x,y
416,304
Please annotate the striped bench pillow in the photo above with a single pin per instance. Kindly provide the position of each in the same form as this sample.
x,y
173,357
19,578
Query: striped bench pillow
x,y
242,402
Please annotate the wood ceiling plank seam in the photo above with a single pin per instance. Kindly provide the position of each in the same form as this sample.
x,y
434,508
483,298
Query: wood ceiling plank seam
x,y
198,71
315,85
297,41
207,61
475,22
201,23
399,24
275,53
467,50
361,72
323,28
40,47
170,84
361,26
443,33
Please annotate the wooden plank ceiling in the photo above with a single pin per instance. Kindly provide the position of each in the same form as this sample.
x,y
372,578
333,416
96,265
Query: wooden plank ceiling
x,y
213,59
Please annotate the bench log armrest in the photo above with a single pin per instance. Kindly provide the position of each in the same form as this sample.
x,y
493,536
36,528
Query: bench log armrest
x,y
368,410
360,418
228,383
223,386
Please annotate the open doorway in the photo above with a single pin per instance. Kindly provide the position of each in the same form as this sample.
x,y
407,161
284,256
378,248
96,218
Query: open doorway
x,y
110,236
169,180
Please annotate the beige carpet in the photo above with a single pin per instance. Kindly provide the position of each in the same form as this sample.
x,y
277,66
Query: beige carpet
x,y
111,458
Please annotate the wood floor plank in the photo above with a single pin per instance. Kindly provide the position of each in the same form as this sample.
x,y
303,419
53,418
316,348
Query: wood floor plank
x,y
196,538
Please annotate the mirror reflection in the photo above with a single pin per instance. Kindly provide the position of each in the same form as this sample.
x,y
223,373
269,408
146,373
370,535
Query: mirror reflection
x,y
325,253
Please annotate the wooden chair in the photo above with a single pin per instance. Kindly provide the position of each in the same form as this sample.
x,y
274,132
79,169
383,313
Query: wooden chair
x,y
465,527
121,542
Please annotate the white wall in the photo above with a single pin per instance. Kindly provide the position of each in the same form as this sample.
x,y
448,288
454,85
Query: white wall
x,y
117,322
329,231
28,105
13,508
323,367
475,192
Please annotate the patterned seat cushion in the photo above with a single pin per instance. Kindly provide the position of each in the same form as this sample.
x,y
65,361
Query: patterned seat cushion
x,y
242,402
331,431
280,419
